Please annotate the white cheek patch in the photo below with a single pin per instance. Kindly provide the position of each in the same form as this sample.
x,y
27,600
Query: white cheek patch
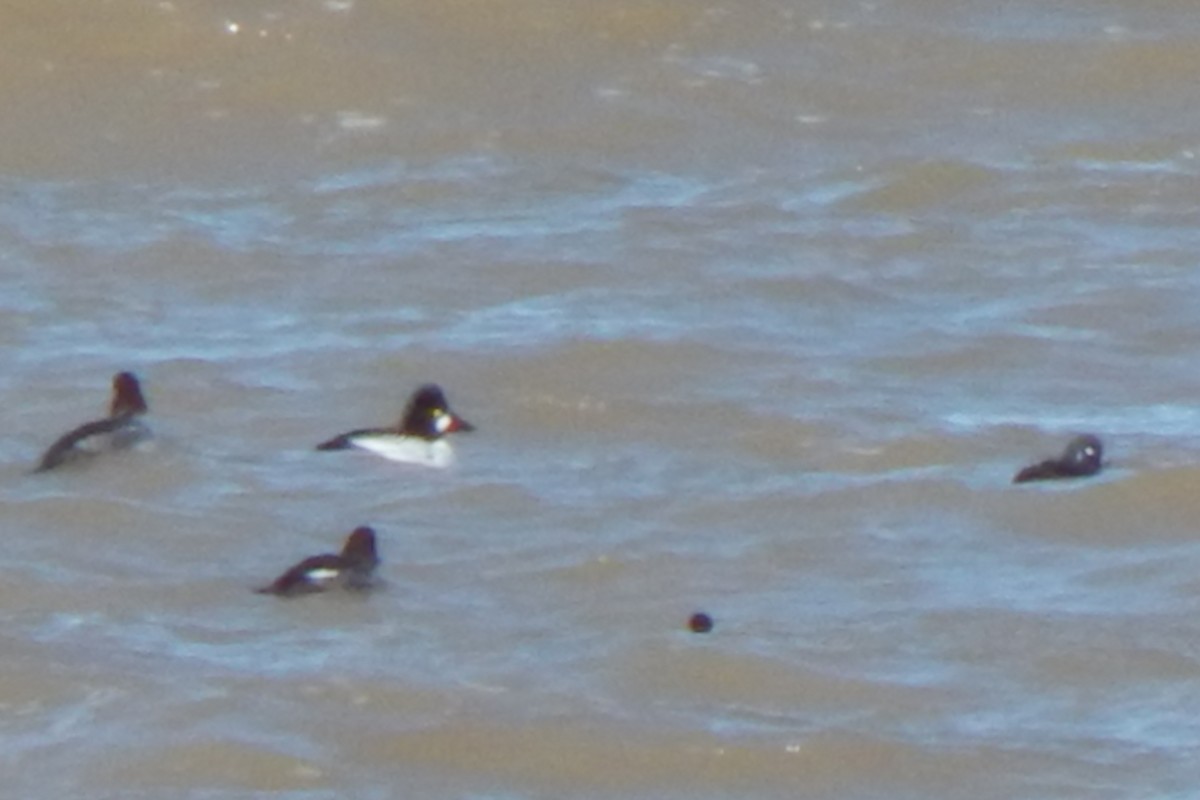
x,y
1090,452
443,422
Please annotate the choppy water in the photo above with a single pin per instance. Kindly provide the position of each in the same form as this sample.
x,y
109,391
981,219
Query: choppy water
x,y
757,307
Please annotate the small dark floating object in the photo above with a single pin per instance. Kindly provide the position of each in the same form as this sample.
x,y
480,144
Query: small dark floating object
x,y
700,623
122,427
1083,457
350,569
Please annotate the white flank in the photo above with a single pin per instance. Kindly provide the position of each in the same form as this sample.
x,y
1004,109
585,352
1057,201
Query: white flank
x,y
320,575
409,449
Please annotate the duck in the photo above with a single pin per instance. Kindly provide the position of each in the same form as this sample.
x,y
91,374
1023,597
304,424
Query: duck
x,y
350,569
419,437
121,429
1082,457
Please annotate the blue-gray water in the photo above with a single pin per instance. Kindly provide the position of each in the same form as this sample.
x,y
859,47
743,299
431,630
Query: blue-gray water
x,y
758,307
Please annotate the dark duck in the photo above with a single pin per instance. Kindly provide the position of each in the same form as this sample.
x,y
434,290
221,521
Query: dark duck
x,y
350,569
122,428
1082,457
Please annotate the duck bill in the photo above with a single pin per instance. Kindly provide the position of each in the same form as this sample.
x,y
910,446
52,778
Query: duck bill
x,y
458,424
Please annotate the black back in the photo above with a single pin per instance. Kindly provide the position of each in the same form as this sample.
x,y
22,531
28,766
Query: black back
x,y
1083,456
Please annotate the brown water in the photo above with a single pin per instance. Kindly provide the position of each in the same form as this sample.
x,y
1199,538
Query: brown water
x,y
757,306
